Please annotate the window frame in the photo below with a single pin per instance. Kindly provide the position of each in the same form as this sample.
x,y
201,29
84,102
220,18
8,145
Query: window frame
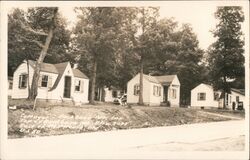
x,y
237,98
173,93
20,84
199,96
114,94
42,81
136,89
156,90
79,85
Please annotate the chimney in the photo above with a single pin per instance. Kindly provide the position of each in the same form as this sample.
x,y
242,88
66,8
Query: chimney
x,y
75,66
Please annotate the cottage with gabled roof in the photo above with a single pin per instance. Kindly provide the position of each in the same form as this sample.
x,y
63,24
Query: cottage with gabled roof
x,y
57,82
157,90
205,96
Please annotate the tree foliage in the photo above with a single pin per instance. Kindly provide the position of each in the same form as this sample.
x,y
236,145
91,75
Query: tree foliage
x,y
226,60
101,38
146,19
24,40
176,51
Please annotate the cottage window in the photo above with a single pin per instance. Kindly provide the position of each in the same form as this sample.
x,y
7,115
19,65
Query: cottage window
x,y
173,93
77,85
237,98
156,90
23,81
114,94
201,96
216,96
44,82
136,89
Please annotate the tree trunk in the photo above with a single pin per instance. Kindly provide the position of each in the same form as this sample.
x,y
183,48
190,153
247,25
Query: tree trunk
x,y
28,80
92,95
141,84
34,85
224,93
141,63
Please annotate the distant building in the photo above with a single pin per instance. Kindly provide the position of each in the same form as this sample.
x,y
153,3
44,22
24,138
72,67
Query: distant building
x,y
157,90
205,96
57,82
235,98
107,94
111,93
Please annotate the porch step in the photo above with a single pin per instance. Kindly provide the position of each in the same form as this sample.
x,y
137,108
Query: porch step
x,y
164,104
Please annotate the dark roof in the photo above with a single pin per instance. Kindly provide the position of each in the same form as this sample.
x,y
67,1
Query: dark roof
x,y
79,74
60,68
240,91
45,67
165,80
151,78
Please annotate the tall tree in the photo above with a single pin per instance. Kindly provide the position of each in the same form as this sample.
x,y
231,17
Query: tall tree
x,y
98,38
147,17
176,51
226,60
49,18
27,32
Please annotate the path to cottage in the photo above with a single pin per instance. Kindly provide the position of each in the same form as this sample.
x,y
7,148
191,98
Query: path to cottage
x,y
136,143
223,116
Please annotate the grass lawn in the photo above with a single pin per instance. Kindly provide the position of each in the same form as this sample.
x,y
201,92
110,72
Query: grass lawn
x,y
60,120
235,113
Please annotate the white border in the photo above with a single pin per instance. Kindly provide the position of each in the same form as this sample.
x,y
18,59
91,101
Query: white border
x,y
5,6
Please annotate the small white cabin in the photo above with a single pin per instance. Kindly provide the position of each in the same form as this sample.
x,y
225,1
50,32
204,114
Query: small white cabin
x,y
57,82
111,93
157,90
236,98
204,96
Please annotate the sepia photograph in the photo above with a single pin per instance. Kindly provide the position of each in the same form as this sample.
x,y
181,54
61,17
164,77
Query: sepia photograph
x,y
124,80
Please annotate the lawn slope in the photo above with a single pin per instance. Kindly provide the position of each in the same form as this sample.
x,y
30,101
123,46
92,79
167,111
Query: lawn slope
x,y
60,120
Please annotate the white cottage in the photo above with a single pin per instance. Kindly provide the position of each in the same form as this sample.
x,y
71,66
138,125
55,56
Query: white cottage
x,y
111,93
57,82
156,90
236,98
204,96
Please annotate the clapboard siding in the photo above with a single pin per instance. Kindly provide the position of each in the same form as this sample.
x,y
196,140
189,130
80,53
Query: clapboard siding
x,y
48,93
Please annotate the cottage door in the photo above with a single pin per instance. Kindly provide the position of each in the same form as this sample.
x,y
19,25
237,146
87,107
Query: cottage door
x,y
67,87
165,93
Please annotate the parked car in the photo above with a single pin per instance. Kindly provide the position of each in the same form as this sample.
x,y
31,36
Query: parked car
x,y
121,100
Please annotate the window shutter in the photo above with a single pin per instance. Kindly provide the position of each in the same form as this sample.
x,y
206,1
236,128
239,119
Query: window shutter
x,y
20,81
134,89
49,82
26,80
82,85
40,81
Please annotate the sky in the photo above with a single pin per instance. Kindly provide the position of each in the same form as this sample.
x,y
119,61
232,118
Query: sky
x,y
201,19
200,14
